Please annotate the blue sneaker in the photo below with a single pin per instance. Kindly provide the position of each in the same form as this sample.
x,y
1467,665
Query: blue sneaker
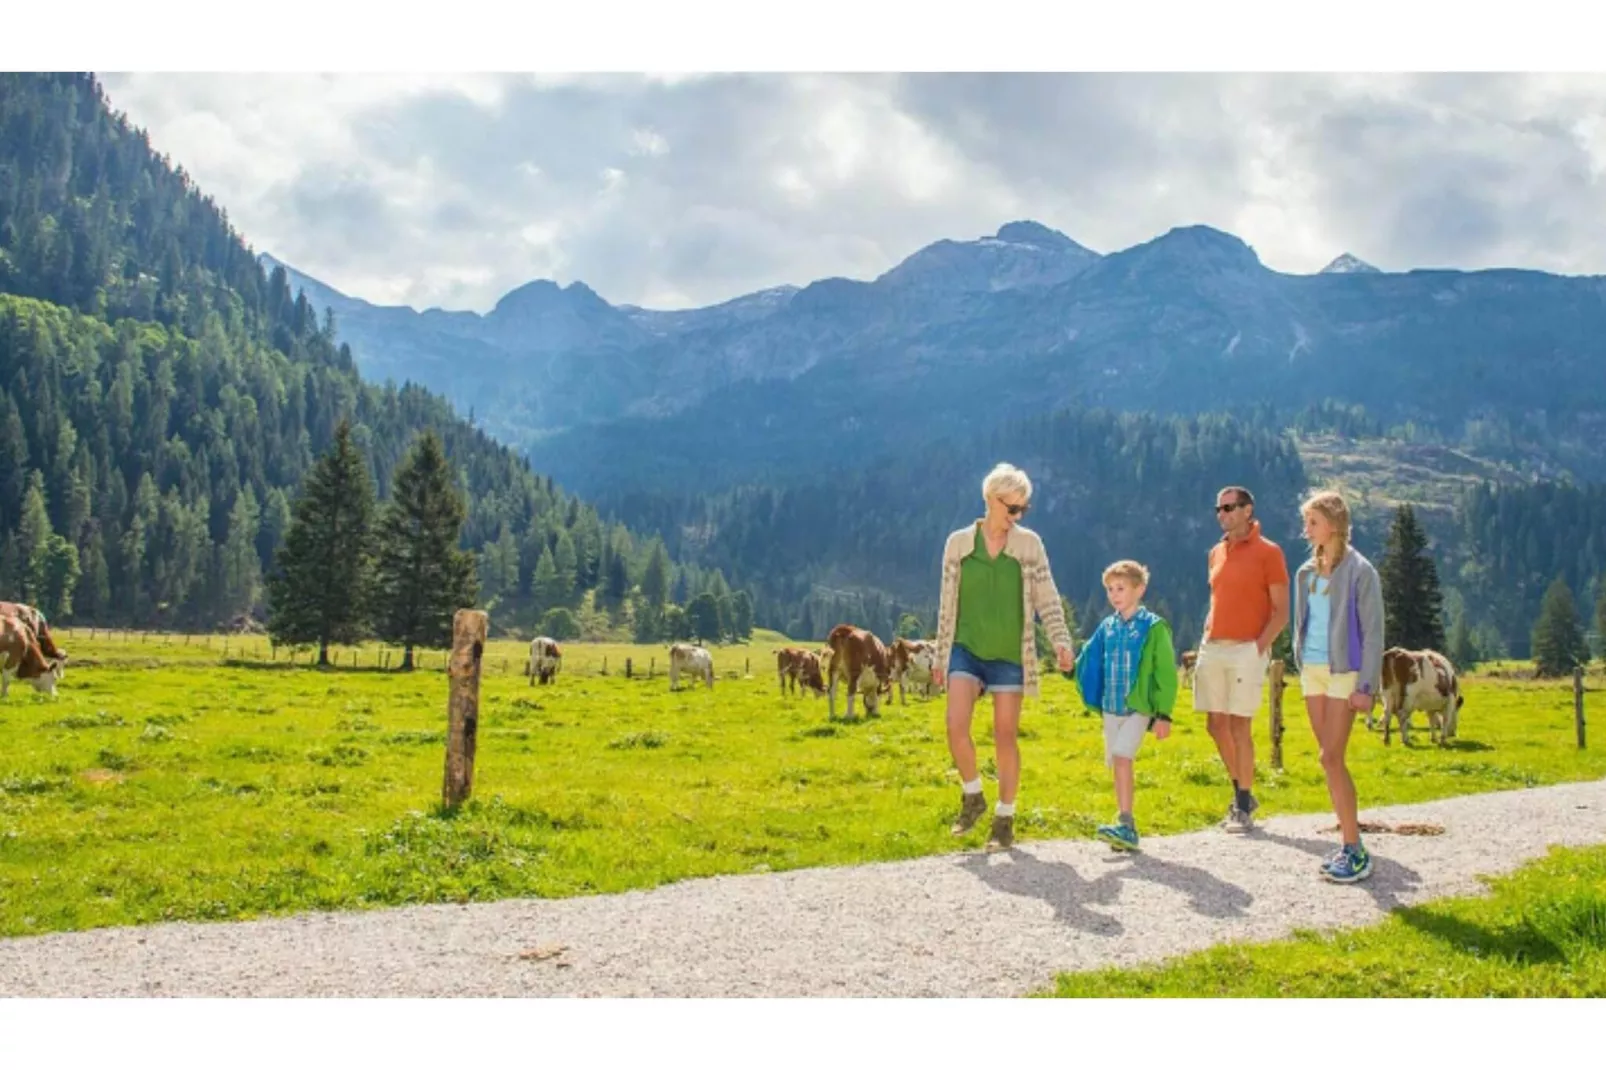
x,y
1331,858
1352,864
1120,837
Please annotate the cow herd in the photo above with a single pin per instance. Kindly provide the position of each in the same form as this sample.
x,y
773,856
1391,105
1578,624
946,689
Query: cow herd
x,y
1413,680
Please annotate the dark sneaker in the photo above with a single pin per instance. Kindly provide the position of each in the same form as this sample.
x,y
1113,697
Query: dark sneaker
x,y
971,807
1003,837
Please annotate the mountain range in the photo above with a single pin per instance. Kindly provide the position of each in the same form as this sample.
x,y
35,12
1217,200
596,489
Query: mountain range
x,y
1022,322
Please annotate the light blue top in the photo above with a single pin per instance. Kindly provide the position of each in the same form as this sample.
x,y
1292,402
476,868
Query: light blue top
x,y
1314,651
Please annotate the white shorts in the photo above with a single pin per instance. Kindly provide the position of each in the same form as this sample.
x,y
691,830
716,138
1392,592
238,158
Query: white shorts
x,y
1123,735
1228,678
1315,680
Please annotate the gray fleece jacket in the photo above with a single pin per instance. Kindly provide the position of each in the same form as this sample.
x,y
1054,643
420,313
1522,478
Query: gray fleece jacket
x,y
1355,626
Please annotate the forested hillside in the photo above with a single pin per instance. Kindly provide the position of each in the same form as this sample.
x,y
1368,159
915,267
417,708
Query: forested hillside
x,y
161,397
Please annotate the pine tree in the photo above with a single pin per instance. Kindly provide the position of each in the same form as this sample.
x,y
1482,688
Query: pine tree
x,y
1463,653
1412,602
741,616
242,569
1558,635
565,560
703,616
320,588
909,627
33,540
546,586
655,579
421,577
1600,619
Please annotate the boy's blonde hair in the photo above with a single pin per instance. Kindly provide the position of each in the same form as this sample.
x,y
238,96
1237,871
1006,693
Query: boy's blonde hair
x,y
1130,571
1331,505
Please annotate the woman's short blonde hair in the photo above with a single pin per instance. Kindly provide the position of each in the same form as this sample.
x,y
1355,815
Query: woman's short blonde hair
x,y
1006,479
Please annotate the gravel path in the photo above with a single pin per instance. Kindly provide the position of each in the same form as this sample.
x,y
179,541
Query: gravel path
x,y
958,925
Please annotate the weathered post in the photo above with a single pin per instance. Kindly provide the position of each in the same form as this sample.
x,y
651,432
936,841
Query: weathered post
x,y
605,665
627,668
1277,686
469,630
1578,703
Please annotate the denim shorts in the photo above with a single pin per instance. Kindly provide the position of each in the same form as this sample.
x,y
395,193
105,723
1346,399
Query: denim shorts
x,y
996,676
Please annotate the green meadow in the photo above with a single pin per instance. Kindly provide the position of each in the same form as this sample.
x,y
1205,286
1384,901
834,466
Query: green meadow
x,y
169,780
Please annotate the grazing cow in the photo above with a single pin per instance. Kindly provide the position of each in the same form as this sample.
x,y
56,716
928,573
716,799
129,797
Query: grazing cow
x,y
914,661
684,657
21,657
799,668
1419,680
34,619
860,660
545,659
1190,658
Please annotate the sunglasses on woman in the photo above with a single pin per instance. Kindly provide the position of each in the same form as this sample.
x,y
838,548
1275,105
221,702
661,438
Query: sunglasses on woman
x,y
1016,510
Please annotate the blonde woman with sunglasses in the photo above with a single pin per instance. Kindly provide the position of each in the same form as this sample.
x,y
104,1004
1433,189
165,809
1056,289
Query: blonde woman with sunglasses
x,y
995,577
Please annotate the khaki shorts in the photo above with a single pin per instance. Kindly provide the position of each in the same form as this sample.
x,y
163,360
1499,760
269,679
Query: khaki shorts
x,y
1123,735
1317,680
1228,678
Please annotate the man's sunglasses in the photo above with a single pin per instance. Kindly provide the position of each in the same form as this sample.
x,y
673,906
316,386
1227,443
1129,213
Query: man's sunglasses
x,y
1229,507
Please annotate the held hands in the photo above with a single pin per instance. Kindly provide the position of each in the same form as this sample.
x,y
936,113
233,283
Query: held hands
x,y
1066,661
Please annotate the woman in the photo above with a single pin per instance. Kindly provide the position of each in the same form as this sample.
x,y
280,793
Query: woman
x,y
1338,646
994,577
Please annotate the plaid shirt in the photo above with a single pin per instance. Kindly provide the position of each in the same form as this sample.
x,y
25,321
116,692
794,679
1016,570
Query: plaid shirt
x,y
1122,651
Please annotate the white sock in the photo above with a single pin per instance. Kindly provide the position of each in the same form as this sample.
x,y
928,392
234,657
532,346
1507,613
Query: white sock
x,y
971,787
1006,809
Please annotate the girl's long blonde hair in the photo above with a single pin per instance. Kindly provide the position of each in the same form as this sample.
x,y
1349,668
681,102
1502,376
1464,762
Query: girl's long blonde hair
x,y
1331,505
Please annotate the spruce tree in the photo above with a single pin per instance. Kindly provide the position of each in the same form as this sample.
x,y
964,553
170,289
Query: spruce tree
x,y
703,616
655,579
421,576
741,616
1558,635
1413,615
1600,619
319,591
1463,654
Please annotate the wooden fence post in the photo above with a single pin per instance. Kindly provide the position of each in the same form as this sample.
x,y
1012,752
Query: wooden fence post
x,y
627,668
470,628
1578,703
1277,686
605,665
652,667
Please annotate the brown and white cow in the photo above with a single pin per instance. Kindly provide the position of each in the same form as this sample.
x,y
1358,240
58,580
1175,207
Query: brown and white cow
x,y
546,658
913,662
20,656
860,660
34,619
684,657
1419,680
799,668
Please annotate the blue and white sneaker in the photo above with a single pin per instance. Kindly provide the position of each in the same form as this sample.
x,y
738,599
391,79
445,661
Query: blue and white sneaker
x,y
1331,858
1352,864
1118,836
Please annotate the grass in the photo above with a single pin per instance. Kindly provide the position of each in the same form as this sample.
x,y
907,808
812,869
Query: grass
x,y
166,782
1541,932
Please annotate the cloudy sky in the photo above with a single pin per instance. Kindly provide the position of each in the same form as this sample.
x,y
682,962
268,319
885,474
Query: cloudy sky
x,y
680,191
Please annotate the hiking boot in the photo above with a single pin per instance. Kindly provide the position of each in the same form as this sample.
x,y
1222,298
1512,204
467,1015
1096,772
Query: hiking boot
x,y
1352,864
1003,837
1120,837
971,807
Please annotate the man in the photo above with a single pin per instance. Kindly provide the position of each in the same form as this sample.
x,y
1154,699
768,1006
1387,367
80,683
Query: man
x,y
1248,608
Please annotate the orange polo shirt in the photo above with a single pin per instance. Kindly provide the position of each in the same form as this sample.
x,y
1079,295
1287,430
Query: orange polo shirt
x,y
1241,577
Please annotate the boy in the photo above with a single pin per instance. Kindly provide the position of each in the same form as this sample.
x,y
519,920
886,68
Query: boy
x,y
1128,672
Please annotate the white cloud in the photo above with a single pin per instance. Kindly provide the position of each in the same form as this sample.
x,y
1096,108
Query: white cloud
x,y
678,189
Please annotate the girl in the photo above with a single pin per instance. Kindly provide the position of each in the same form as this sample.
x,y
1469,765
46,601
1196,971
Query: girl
x,y
1338,647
